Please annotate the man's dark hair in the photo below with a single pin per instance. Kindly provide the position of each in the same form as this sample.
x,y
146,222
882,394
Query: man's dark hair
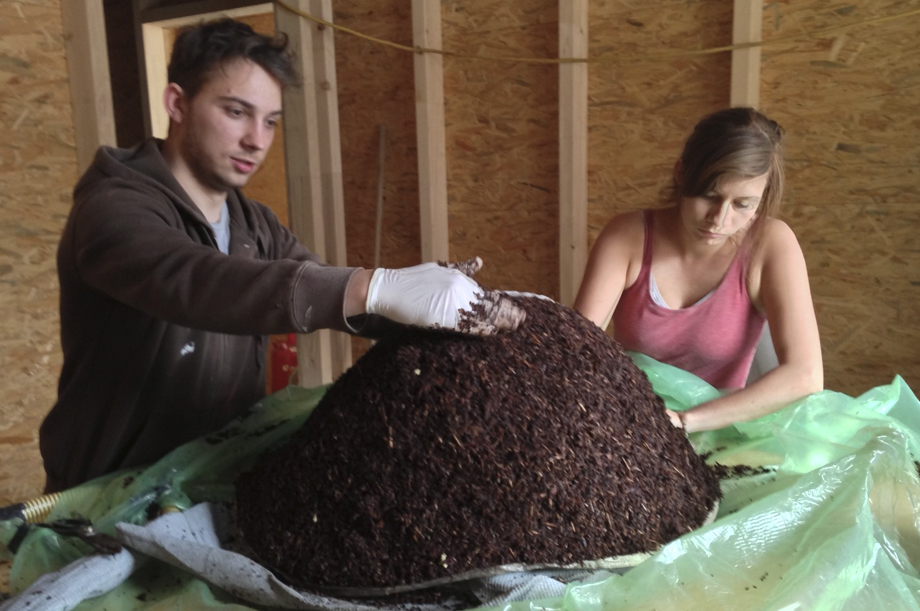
x,y
200,50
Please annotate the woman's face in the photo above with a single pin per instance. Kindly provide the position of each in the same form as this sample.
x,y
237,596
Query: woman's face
x,y
730,207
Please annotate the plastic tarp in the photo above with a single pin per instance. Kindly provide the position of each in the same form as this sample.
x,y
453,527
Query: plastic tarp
x,y
832,522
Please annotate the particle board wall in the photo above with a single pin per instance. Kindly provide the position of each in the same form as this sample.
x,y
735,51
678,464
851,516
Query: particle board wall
x,y
38,168
848,101
502,134
376,90
843,99
640,109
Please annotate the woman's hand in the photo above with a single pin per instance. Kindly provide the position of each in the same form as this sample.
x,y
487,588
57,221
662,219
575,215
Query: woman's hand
x,y
676,418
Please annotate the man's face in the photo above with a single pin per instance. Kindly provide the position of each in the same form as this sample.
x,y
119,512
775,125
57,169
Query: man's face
x,y
229,125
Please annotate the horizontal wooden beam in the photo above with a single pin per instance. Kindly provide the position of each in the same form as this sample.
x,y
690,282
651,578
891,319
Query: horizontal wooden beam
x,y
148,12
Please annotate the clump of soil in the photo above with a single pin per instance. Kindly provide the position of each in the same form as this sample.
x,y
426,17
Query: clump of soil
x,y
438,453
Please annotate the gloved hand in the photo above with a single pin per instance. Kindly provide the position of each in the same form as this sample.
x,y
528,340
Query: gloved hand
x,y
436,296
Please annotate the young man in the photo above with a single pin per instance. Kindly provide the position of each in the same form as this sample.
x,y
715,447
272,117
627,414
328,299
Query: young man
x,y
171,279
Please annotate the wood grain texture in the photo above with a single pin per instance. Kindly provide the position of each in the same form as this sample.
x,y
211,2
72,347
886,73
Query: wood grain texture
x,y
641,111
573,149
848,102
502,142
38,168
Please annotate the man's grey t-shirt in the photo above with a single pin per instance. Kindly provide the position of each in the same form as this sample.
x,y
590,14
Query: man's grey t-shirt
x,y
222,230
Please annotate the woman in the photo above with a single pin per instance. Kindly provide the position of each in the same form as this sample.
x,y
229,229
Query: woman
x,y
693,285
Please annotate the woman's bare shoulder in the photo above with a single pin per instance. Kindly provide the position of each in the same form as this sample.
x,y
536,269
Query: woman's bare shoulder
x,y
777,237
777,248
629,226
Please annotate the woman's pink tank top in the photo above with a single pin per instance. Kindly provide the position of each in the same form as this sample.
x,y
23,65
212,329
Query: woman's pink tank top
x,y
714,339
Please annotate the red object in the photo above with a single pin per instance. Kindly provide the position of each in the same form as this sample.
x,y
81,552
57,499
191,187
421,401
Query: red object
x,y
283,362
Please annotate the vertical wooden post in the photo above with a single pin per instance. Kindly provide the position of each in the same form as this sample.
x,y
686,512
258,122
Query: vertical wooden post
x,y
746,28
153,42
330,151
573,148
304,176
88,72
429,118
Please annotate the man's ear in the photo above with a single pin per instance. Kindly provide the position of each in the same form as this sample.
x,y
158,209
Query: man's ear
x,y
175,102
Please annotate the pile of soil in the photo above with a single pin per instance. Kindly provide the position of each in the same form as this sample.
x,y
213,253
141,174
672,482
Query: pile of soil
x,y
438,454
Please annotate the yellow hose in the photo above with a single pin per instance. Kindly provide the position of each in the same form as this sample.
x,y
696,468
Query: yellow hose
x,y
36,510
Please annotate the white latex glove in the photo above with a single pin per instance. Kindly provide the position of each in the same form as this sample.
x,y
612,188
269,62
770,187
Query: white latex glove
x,y
435,296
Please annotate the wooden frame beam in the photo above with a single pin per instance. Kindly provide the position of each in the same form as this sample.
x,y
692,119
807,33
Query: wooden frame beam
x,y
573,148
148,11
332,201
747,27
304,178
430,131
88,73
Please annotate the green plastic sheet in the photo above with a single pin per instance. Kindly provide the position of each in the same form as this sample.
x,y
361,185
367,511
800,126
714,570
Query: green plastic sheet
x,y
832,522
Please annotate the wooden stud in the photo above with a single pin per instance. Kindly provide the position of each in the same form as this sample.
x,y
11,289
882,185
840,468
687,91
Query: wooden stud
x,y
330,154
88,72
153,41
573,148
304,176
746,28
430,130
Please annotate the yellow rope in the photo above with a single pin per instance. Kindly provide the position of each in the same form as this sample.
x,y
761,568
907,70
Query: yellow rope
x,y
603,58
395,45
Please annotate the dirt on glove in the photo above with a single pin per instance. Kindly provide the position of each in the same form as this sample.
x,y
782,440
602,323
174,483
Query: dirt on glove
x,y
438,453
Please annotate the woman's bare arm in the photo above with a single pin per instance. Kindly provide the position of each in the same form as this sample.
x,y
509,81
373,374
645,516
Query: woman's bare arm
x,y
786,297
608,271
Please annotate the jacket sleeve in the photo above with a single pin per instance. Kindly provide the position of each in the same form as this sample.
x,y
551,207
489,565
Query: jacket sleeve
x,y
132,244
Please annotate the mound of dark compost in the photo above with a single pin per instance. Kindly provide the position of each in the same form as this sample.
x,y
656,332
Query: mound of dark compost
x,y
438,454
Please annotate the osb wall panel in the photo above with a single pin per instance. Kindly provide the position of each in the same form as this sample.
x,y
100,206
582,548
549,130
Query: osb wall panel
x,y
501,137
376,92
37,171
848,101
641,109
